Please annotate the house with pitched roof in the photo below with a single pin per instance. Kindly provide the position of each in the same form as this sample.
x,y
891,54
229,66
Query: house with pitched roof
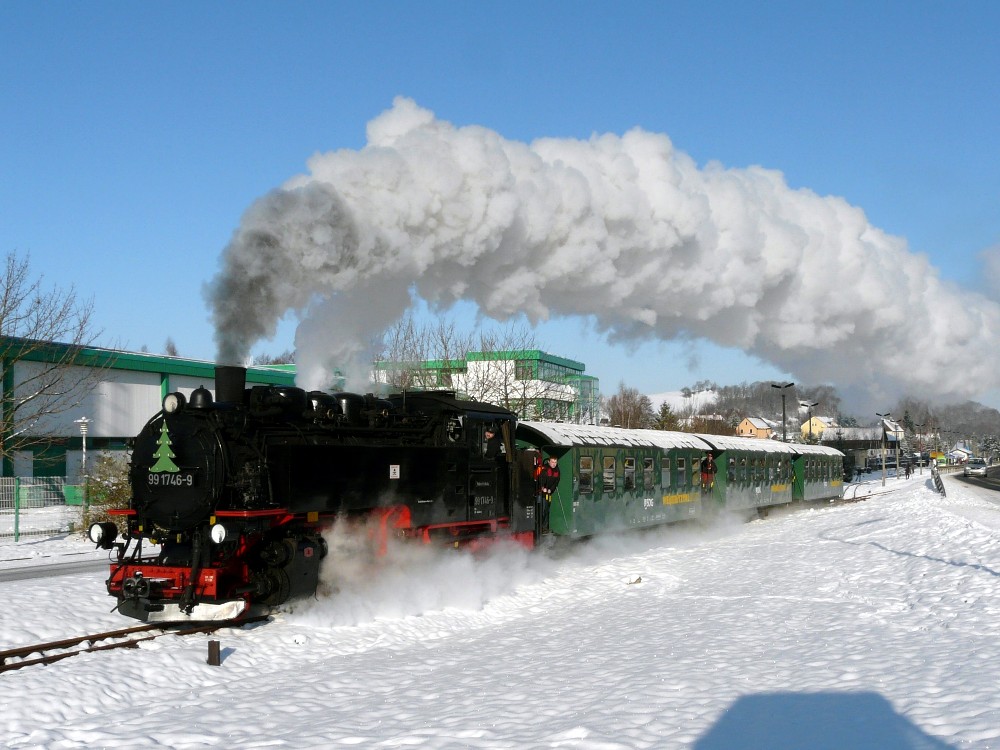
x,y
757,427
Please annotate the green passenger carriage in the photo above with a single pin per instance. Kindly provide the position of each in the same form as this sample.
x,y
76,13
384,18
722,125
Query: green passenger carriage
x,y
752,473
614,479
819,472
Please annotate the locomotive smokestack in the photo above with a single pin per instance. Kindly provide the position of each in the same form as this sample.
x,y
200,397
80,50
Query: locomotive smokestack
x,y
229,383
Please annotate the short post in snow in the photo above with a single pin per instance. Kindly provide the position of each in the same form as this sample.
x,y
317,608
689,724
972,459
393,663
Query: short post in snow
x,y
214,654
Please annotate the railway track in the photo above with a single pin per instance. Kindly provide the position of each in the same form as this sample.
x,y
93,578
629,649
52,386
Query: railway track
x,y
53,651
864,491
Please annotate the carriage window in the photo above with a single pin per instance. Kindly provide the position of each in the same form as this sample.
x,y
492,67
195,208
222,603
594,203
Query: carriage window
x,y
630,473
743,469
731,472
647,473
681,469
609,474
586,474
665,472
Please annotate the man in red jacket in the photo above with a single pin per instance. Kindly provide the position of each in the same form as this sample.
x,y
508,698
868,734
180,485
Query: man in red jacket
x,y
548,482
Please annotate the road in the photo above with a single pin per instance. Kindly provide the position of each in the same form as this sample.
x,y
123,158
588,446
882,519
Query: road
x,y
990,481
48,570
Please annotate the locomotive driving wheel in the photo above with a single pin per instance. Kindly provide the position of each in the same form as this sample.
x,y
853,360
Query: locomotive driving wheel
x,y
278,553
273,586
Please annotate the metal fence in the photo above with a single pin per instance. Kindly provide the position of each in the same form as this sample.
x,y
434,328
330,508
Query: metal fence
x,y
38,506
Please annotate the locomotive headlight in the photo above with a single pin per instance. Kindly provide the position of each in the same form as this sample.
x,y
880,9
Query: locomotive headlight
x,y
103,534
218,533
173,402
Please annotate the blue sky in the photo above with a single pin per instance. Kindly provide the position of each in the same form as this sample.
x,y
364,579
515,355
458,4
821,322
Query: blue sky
x,y
135,135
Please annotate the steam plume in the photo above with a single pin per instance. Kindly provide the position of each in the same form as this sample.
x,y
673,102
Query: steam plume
x,y
623,228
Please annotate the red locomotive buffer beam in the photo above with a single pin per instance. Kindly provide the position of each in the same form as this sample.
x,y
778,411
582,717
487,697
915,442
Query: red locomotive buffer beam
x,y
165,586
169,581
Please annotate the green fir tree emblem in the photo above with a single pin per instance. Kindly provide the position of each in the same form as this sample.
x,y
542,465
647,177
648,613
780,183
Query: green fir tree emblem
x,y
163,453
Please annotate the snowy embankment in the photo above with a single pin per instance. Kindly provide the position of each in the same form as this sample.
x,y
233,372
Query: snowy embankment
x,y
864,625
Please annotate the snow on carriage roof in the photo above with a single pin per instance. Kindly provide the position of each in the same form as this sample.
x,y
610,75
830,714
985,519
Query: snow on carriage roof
x,y
562,433
824,450
566,434
731,442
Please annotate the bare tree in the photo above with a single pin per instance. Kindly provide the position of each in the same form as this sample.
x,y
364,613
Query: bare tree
x,y
411,355
500,365
497,374
287,357
170,348
44,335
509,370
629,408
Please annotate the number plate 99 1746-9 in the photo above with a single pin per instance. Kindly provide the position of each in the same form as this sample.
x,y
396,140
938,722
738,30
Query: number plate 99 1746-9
x,y
171,479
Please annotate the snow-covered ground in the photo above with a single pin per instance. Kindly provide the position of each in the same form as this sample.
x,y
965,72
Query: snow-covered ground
x,y
867,625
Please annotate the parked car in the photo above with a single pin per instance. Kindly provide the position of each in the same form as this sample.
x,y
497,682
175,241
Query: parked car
x,y
975,467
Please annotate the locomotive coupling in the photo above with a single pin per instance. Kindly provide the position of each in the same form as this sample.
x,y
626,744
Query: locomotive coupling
x,y
138,587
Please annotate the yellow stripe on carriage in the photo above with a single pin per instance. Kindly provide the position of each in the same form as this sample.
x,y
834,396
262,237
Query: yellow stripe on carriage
x,y
678,499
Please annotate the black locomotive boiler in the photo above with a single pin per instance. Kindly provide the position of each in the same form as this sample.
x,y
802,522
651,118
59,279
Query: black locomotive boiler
x,y
231,495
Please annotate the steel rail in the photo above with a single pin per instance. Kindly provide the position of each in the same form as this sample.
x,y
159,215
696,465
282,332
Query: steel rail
x,y
69,643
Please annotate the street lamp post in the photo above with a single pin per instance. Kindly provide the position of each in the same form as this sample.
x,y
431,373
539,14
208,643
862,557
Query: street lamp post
x,y
883,418
84,427
784,435
896,436
920,447
810,406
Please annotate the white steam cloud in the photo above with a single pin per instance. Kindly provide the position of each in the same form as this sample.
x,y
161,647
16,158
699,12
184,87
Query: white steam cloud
x,y
623,228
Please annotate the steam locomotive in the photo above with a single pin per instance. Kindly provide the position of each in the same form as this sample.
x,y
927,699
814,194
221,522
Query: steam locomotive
x,y
231,495
234,492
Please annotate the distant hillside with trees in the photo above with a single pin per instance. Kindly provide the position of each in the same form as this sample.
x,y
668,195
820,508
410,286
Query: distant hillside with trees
x,y
968,420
